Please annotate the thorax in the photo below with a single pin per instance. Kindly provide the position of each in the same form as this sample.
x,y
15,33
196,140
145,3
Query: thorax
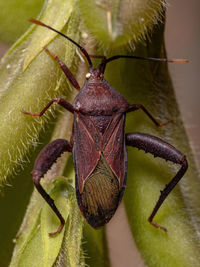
x,y
99,98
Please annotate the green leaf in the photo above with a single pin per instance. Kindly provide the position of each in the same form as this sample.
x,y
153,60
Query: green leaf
x,y
29,234
119,22
30,90
148,83
14,202
140,82
33,240
42,36
95,245
33,253
13,17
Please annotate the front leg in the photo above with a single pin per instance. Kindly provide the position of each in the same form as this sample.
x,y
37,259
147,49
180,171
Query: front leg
x,y
58,100
162,149
43,163
65,69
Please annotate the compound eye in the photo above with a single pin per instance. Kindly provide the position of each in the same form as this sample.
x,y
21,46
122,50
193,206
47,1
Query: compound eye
x,y
87,76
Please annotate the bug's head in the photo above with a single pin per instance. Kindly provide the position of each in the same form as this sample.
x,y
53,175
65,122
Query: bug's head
x,y
95,73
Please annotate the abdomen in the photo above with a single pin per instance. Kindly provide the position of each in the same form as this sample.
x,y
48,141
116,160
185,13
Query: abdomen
x,y
101,195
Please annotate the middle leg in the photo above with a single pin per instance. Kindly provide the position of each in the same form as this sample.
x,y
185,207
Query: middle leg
x,y
135,107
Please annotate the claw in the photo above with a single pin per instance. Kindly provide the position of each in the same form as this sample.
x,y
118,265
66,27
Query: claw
x,y
59,229
157,225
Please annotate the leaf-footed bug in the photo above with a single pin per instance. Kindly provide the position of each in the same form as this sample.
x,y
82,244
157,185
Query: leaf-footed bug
x,y
98,143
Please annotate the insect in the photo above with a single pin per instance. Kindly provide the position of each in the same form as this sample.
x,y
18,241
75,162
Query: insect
x,y
98,144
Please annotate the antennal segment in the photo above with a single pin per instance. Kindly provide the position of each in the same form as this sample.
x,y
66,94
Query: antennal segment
x,y
103,64
49,27
146,58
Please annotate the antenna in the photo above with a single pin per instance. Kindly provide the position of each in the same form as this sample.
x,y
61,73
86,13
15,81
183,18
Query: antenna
x,y
105,61
80,47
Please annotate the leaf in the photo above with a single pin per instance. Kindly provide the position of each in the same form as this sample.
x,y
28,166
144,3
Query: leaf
x,y
140,82
119,22
35,243
15,24
14,202
95,246
149,84
29,234
30,90
42,36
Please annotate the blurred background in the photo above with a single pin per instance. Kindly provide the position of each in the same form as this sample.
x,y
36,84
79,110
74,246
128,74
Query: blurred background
x,y
182,37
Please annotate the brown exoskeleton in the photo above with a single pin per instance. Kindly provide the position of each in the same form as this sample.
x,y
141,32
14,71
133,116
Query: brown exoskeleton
x,y
99,144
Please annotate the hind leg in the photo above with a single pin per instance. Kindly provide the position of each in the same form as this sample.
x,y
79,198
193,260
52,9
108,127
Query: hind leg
x,y
162,149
